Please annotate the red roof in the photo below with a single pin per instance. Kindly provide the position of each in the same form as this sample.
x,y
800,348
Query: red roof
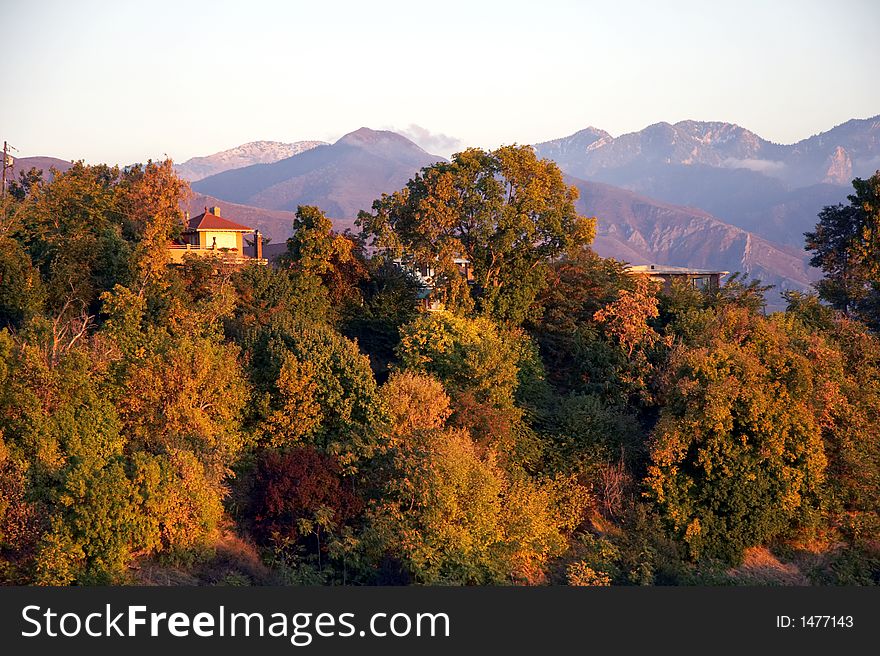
x,y
210,221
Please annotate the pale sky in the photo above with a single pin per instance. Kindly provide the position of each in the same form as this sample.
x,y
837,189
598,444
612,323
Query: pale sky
x,y
121,82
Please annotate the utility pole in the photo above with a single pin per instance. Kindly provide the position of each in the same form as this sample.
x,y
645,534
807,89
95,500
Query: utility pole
x,y
6,165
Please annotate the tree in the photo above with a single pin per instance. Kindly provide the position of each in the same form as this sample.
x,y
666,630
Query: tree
x,y
299,496
466,355
846,246
21,289
64,467
180,393
269,296
330,381
577,357
312,245
296,414
185,393
626,318
737,455
506,211
72,230
315,250
449,515
149,204
415,402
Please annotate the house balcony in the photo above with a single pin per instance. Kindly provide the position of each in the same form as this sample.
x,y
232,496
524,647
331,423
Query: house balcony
x,y
177,252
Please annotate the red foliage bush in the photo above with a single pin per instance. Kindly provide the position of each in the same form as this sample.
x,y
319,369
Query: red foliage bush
x,y
296,485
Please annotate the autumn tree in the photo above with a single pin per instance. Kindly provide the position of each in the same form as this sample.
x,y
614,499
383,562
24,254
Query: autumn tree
x,y
299,496
449,515
72,230
180,394
737,456
850,368
467,355
64,467
414,402
149,204
317,389
506,211
478,364
315,249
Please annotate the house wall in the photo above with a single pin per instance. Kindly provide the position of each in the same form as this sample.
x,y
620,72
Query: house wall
x,y
225,239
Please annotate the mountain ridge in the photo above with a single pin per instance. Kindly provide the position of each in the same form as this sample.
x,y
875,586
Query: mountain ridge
x,y
253,152
341,178
722,144
774,190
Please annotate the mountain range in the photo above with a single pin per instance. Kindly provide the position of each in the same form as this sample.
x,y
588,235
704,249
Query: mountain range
x,y
771,189
641,230
45,164
699,194
831,157
341,178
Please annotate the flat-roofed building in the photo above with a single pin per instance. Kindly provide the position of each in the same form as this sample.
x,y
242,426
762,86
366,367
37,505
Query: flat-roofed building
x,y
706,279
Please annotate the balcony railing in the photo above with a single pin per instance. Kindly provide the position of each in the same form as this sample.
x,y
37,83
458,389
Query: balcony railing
x,y
177,252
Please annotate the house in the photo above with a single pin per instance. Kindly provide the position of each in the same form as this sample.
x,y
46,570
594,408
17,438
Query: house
x,y
706,279
211,235
424,274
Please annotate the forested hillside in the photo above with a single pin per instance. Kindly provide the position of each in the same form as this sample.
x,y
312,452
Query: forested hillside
x,y
559,421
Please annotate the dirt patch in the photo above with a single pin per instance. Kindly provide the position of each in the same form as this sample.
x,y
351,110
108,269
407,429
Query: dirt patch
x,y
229,560
761,567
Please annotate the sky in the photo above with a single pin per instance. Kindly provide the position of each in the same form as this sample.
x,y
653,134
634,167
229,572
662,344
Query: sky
x,y
122,82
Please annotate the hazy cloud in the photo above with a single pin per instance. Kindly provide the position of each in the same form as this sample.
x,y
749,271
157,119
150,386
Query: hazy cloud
x,y
765,166
866,167
434,142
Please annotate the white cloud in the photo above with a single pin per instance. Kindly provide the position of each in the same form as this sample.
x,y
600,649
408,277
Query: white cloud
x,y
434,142
765,166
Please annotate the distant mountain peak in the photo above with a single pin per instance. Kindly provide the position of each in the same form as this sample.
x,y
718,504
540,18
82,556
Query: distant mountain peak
x,y
368,137
342,178
253,152
363,134
592,130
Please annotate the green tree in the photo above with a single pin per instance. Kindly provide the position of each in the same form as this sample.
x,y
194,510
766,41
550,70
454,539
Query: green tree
x,y
315,249
466,355
22,295
737,456
72,230
846,246
268,296
506,211
449,515
319,376
390,301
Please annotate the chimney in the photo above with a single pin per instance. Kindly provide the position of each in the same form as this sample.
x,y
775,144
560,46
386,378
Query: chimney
x,y
258,245
215,211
